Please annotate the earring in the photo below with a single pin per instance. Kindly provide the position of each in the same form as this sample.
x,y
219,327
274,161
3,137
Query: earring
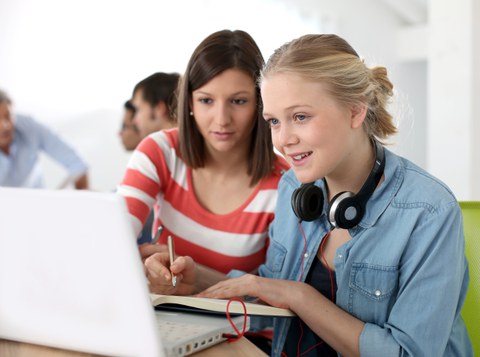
x,y
191,114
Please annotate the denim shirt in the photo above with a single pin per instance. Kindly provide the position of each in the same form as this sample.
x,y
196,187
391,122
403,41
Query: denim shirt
x,y
403,273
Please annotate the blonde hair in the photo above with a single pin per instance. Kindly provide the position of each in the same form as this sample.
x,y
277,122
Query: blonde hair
x,y
331,60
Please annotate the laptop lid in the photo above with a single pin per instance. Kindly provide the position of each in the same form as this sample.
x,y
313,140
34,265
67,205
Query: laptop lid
x,y
70,274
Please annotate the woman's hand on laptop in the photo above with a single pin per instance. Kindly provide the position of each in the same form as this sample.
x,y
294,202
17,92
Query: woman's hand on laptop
x,y
159,274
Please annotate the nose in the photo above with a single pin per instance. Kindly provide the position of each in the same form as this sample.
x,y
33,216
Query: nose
x,y
223,115
285,135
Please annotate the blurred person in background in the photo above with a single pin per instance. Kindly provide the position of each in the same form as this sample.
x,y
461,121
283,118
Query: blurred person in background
x,y
130,136
22,139
154,100
153,106
129,133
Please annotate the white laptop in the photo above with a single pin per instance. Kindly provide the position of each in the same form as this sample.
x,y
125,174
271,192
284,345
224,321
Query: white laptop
x,y
71,277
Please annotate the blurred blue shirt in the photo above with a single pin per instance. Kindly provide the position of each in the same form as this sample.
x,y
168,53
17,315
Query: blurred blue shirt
x,y
21,168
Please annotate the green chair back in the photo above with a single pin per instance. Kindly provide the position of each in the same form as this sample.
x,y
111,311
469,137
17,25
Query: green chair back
x,y
471,308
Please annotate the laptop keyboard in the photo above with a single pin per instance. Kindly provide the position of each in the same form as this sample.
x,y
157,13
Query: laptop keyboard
x,y
171,331
174,332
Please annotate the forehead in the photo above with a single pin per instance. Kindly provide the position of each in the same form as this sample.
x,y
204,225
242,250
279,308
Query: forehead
x,y
229,81
282,82
282,90
138,97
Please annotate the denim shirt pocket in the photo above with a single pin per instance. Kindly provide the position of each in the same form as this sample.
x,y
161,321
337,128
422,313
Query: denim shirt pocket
x,y
373,289
275,258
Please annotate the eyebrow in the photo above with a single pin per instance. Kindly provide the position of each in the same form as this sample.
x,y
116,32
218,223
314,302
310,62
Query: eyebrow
x,y
243,92
290,108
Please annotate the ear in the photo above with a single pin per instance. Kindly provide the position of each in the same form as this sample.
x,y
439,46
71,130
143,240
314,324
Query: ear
x,y
358,114
160,110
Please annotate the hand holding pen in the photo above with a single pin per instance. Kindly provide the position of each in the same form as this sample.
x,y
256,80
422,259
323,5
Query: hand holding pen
x,y
169,273
170,247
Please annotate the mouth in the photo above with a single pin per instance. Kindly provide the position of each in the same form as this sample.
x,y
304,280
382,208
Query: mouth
x,y
222,134
300,157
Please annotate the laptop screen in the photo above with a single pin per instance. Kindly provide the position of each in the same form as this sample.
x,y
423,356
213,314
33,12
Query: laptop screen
x,y
71,275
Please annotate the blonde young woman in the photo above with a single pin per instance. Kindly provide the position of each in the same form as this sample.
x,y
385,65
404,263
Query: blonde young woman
x,y
366,247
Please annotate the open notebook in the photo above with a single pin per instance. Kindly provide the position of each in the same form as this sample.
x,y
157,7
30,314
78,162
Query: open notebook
x,y
217,306
71,277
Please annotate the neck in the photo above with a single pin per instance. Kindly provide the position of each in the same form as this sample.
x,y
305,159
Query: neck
x,y
352,173
220,165
168,124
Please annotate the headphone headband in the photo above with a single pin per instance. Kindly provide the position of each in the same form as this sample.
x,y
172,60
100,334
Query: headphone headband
x,y
375,175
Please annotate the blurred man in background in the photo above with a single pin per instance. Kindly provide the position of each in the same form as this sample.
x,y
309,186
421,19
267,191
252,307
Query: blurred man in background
x,y
129,133
153,106
155,102
22,139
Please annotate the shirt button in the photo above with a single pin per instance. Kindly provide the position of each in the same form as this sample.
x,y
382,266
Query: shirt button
x,y
306,255
340,256
377,293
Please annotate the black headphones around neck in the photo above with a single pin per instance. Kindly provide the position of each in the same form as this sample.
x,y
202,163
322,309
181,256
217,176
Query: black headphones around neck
x,y
346,209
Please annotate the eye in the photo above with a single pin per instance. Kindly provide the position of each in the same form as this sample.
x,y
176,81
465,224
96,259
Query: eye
x,y
299,117
239,101
272,122
205,100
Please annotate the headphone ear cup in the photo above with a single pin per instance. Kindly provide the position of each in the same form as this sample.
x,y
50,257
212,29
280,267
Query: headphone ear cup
x,y
307,202
344,210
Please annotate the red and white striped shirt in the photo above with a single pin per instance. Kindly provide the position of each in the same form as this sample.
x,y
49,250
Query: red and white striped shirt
x,y
157,176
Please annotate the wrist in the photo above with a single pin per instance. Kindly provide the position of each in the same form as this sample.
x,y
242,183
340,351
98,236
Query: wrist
x,y
205,277
298,295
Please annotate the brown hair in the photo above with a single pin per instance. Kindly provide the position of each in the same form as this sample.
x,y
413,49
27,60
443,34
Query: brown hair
x,y
160,87
331,60
218,52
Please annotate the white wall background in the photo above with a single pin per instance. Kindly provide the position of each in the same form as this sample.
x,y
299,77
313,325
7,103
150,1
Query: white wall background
x,y
72,64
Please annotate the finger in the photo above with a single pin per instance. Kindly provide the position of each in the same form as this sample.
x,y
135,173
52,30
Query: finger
x,y
179,265
231,287
217,291
162,289
157,266
162,248
147,249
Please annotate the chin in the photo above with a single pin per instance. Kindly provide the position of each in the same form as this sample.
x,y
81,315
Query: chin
x,y
304,177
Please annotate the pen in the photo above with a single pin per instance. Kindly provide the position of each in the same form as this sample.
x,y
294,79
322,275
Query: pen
x,y
171,252
157,235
